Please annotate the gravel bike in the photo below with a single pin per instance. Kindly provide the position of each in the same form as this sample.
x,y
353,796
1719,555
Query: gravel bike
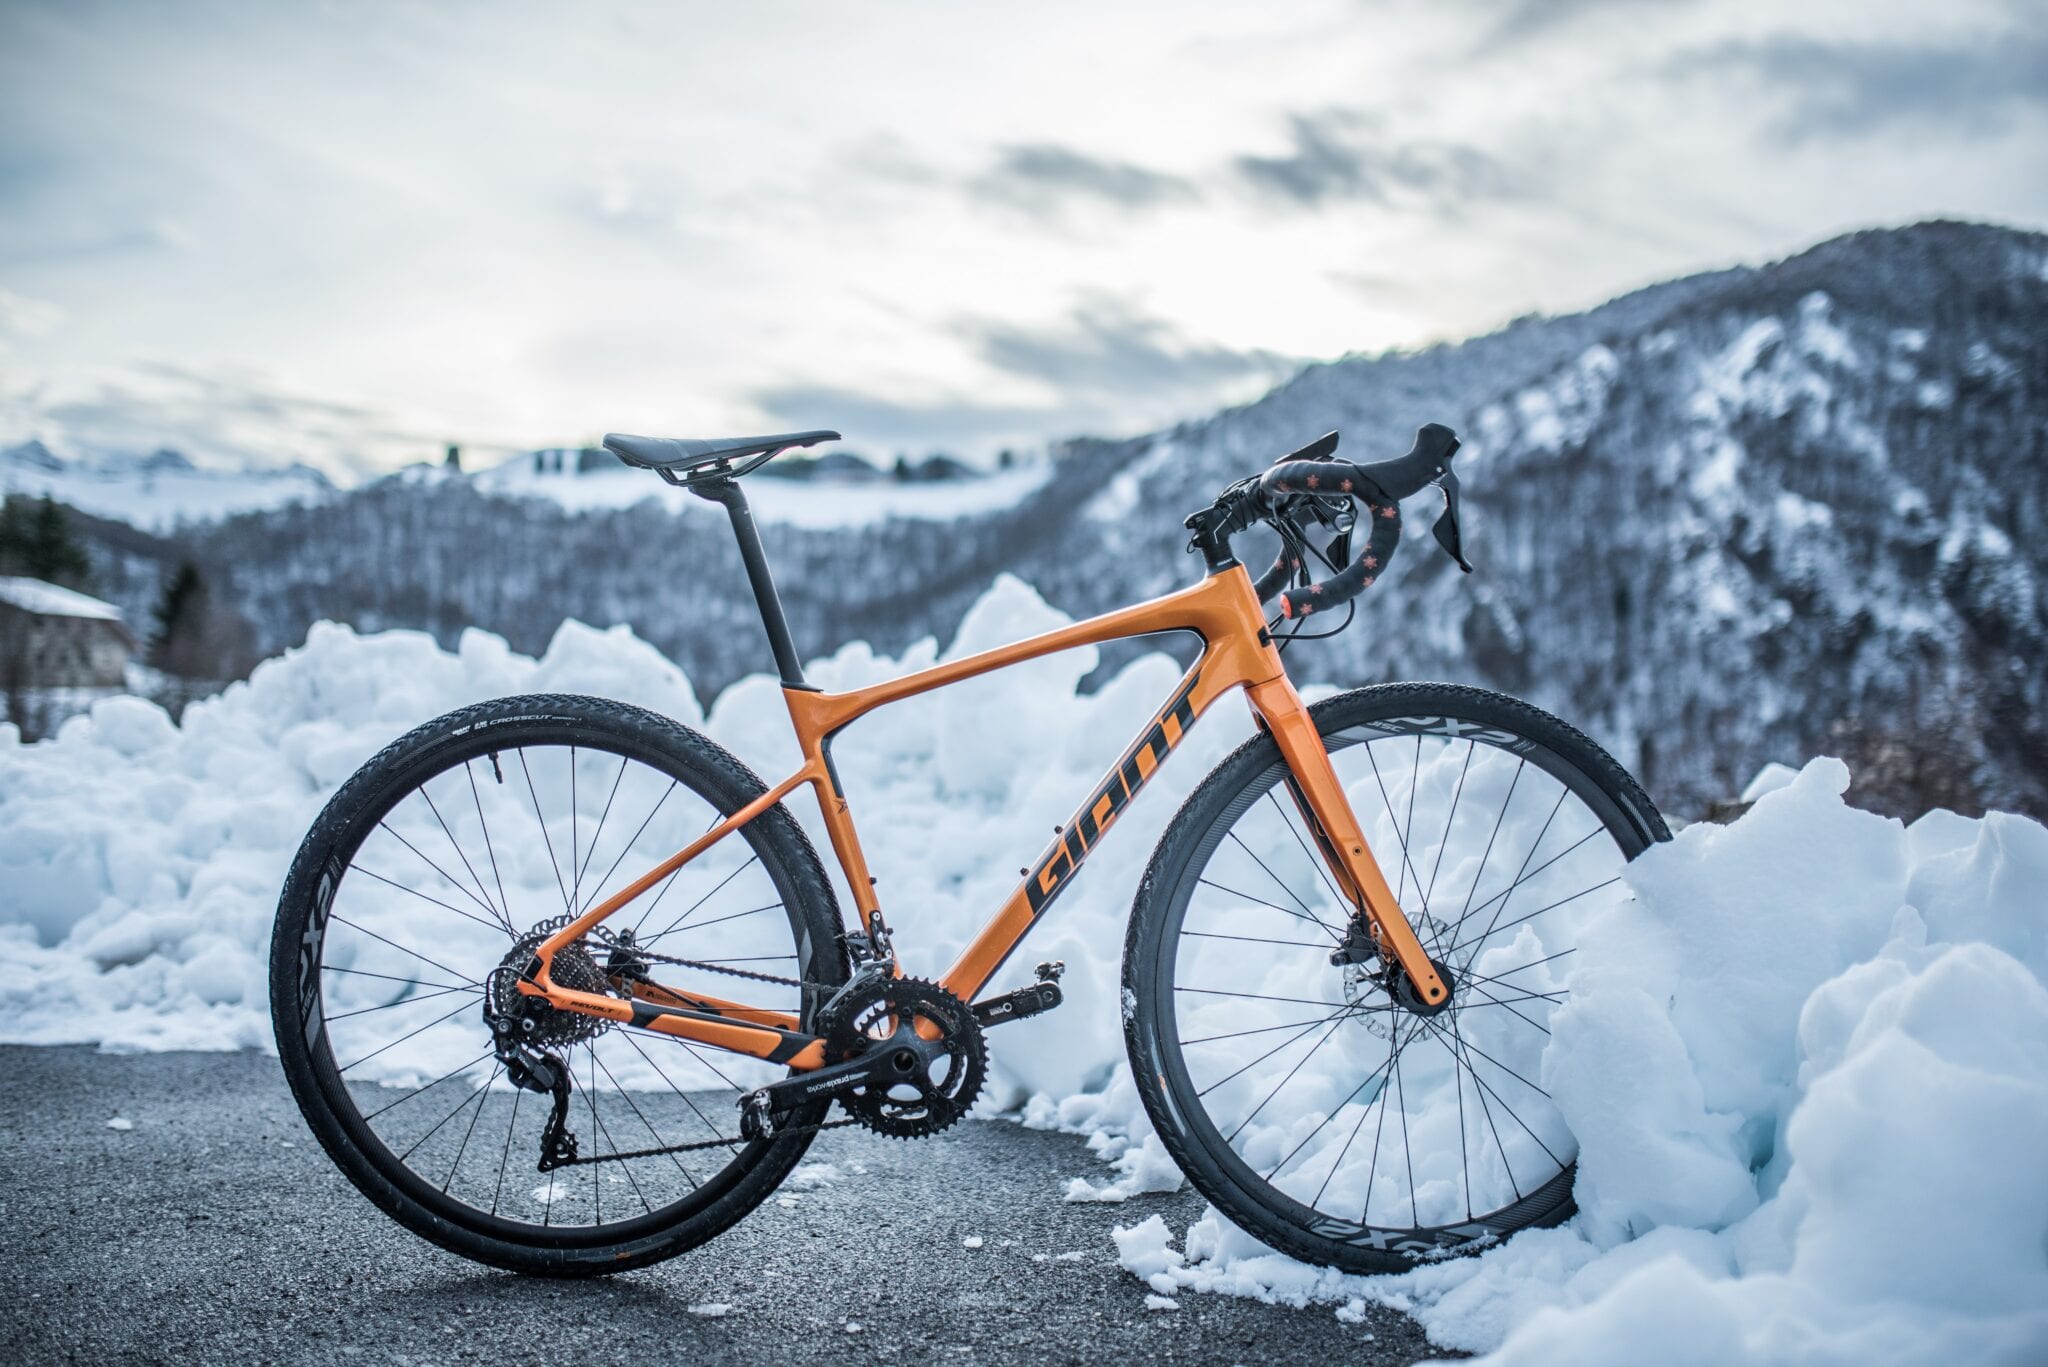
x,y
510,956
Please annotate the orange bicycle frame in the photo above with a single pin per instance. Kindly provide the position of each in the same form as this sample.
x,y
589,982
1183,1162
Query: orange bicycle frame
x,y
1237,653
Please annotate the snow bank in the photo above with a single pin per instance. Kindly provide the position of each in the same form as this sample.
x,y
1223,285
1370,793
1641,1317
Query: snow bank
x,y
1809,1075
140,861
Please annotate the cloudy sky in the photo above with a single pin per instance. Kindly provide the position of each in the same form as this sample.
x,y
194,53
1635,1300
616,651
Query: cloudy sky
x,y
347,233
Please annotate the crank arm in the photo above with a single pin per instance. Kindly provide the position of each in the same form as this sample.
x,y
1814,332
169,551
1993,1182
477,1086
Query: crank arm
x,y
1014,1006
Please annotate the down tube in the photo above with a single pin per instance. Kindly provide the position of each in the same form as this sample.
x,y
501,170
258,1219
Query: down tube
x,y
1062,859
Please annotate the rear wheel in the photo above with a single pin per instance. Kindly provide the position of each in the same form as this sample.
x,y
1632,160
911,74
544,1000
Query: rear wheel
x,y
424,883
1302,1097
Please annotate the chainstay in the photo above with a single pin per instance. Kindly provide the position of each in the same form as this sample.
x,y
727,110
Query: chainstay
x,y
700,1145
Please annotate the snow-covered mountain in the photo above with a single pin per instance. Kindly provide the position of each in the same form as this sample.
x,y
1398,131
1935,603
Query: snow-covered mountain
x,y
156,491
1743,516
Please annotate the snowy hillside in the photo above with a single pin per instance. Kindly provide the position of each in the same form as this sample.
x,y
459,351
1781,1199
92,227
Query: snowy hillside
x,y
156,492
1807,1064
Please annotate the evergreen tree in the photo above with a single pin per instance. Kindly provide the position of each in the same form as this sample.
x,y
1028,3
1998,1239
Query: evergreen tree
x,y
36,539
55,553
178,608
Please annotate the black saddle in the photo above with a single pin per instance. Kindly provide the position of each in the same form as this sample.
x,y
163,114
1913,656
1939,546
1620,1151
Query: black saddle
x,y
676,458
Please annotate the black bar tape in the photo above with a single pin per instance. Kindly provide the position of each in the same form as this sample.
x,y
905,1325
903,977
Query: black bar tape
x,y
1341,587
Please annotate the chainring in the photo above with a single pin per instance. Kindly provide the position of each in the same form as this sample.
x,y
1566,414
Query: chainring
x,y
535,1022
940,1078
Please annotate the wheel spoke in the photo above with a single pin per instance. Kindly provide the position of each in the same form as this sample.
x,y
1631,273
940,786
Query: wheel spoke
x,y
1509,1003
1260,901
1392,820
477,798
662,1073
1481,1082
485,1094
691,910
1278,882
506,1156
409,1035
1321,873
1251,939
402,887
402,1001
1239,1072
1459,1060
386,977
716,920
495,923
1530,916
483,895
541,821
1449,820
629,849
422,1091
653,1134
1522,872
431,963
1261,997
1335,1111
1232,1137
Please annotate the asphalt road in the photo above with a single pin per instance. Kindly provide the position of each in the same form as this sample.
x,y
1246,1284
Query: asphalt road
x,y
216,1231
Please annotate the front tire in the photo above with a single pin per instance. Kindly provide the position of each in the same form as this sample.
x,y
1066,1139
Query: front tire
x,y
1270,1074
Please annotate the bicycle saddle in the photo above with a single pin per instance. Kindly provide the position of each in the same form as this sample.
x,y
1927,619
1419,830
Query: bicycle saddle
x,y
676,453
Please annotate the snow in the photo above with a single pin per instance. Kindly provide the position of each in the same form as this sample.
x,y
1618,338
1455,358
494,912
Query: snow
x,y
50,600
1807,1067
157,493
1808,1078
1769,779
813,504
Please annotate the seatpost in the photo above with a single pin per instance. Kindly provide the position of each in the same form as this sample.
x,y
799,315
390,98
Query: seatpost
x,y
727,493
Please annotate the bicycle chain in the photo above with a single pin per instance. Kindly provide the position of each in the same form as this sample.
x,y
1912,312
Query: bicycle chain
x,y
612,942
701,1144
633,947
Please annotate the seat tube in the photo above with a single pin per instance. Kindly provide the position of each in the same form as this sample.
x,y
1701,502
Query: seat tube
x,y
728,494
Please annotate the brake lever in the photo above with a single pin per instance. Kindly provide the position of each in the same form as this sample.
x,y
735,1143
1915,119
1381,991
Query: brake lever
x,y
1446,528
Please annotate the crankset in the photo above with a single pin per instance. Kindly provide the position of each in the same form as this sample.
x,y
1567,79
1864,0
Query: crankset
x,y
905,1057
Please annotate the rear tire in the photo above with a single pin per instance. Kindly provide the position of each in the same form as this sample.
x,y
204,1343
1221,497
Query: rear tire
x,y
322,927
1266,918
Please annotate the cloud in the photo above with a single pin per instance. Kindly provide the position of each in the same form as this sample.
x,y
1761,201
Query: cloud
x,y
1106,347
1518,19
1105,368
1856,89
1043,179
1337,156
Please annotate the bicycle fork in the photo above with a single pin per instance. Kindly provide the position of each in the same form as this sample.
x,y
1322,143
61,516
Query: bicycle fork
x,y
1314,785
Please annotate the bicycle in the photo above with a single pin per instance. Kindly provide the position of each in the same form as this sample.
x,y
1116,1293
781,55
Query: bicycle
x,y
1264,936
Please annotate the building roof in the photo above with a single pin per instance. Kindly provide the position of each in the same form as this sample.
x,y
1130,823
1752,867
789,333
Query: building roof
x,y
45,599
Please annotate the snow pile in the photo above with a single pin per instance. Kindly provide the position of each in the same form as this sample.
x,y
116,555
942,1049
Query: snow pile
x,y
1808,1071
140,861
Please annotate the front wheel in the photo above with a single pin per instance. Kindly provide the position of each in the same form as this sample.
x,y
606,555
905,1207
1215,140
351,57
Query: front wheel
x,y
1300,1096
